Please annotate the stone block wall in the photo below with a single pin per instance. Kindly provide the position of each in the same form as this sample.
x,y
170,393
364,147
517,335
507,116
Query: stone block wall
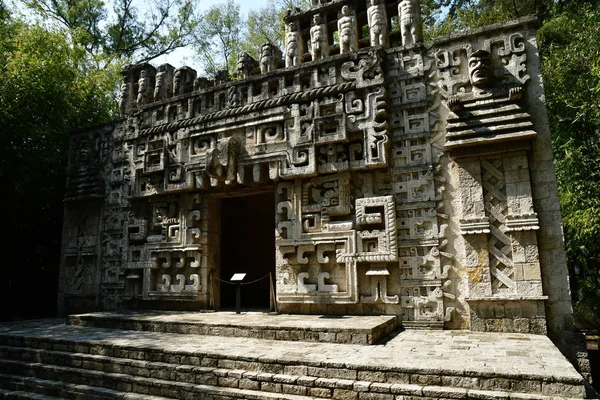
x,y
409,179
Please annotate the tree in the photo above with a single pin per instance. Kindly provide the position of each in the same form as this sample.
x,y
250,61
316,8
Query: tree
x,y
125,33
223,33
266,25
570,44
59,74
219,36
44,95
463,15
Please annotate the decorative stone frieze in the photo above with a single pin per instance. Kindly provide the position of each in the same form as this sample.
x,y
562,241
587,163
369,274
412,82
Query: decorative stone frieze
x,y
404,176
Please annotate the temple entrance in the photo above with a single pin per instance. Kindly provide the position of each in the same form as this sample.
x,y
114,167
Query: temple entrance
x,y
248,246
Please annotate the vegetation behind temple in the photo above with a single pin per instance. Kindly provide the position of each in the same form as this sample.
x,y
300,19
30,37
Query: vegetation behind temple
x,y
60,73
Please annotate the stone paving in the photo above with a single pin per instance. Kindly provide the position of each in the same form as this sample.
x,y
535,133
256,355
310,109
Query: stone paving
x,y
522,356
254,319
260,325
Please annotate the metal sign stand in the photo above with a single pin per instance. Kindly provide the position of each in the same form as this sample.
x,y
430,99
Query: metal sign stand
x,y
238,278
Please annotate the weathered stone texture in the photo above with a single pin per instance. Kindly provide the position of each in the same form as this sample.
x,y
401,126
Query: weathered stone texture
x,y
408,179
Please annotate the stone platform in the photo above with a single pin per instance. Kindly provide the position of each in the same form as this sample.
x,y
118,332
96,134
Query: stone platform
x,y
309,328
50,359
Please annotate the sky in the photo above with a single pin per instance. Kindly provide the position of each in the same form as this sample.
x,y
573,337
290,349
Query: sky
x,y
185,56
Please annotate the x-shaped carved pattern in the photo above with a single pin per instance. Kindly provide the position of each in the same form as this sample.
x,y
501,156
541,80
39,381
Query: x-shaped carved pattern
x,y
501,264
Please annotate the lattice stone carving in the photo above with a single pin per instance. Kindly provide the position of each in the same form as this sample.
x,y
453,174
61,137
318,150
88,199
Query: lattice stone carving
x,y
505,233
499,243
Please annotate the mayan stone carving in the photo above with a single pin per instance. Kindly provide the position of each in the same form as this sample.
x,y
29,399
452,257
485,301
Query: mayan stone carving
x,y
270,58
318,38
377,18
409,15
294,46
413,180
347,30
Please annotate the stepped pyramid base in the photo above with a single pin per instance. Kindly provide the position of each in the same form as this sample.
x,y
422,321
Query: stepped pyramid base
x,y
51,359
308,328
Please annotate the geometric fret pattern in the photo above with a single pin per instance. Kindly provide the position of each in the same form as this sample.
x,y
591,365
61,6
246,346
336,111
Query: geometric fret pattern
x,y
499,244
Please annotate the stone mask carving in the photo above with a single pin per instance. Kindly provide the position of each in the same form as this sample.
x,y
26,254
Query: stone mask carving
x,y
480,69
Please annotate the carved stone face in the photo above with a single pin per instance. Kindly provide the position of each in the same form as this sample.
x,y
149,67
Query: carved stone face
x,y
177,79
85,152
345,11
317,19
291,26
480,69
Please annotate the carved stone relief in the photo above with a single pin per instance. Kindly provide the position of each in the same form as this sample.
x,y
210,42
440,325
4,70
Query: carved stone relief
x,y
402,177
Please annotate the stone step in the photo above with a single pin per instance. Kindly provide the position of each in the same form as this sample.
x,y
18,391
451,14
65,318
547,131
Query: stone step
x,y
233,378
85,392
20,395
113,382
309,328
34,388
415,364
140,359
144,369
263,381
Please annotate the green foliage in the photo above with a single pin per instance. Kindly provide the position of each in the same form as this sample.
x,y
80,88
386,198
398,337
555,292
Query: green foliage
x,y
266,25
223,32
571,66
463,15
44,95
57,75
219,37
136,33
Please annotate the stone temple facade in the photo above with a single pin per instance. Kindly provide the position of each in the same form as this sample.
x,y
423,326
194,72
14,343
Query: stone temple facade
x,y
366,171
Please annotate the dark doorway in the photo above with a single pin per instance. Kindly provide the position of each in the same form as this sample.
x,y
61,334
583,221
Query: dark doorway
x,y
248,246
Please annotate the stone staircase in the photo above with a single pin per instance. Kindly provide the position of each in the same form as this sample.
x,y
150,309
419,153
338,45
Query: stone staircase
x,y
304,328
51,360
